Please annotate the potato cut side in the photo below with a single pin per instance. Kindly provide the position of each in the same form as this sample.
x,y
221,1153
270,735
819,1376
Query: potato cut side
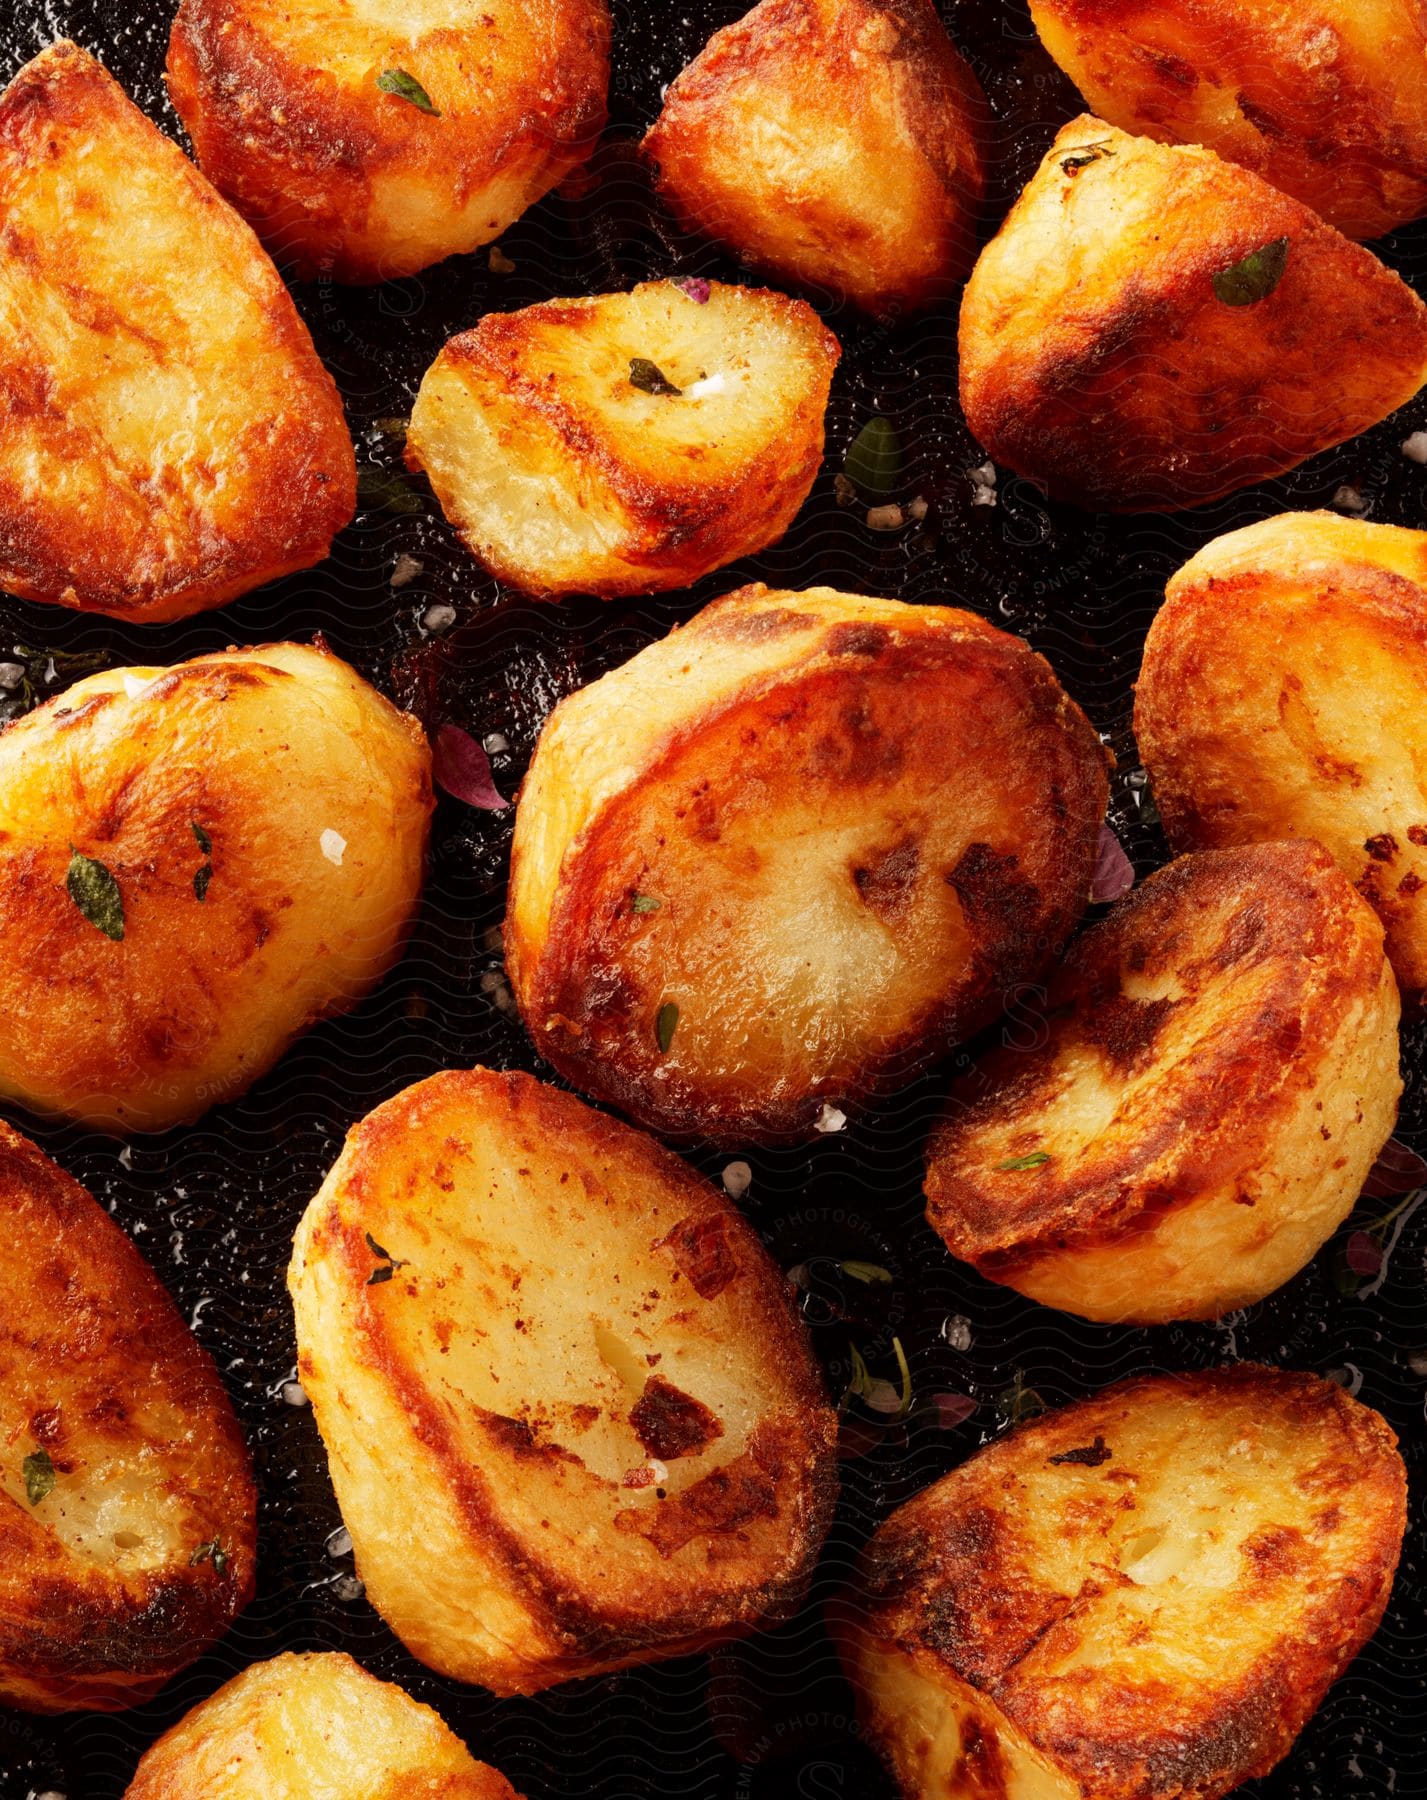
x,y
1217,1074
572,1419
205,860
366,142
785,856
128,1533
1154,328
561,452
1327,101
1145,1596
834,142
314,1727
1284,693
171,438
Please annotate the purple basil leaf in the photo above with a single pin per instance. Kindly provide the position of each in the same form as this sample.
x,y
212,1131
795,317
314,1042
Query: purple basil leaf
x,y
952,1410
1363,1254
1114,872
463,770
696,288
1397,1170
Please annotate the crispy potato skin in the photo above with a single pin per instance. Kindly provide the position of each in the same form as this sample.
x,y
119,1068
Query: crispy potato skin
x,y
1217,1073
1098,360
304,1726
580,1427
101,1600
882,817
835,143
263,751
1327,99
1249,710
563,477
171,439
346,181
1156,1620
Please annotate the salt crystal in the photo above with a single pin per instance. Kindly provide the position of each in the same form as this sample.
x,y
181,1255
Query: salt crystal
x,y
830,1119
334,846
737,1179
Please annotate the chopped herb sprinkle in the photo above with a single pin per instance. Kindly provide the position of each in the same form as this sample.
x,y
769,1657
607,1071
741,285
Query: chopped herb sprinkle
x,y
649,378
1036,1160
666,1025
1254,278
406,87
39,1473
95,892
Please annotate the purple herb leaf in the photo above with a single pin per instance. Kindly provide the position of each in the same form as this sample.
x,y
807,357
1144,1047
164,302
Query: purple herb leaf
x,y
1114,872
463,770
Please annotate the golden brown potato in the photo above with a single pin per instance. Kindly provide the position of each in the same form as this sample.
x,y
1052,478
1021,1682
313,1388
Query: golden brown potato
x,y
171,439
366,142
1327,99
1145,1596
793,851
572,1418
629,443
1218,1073
202,861
1284,693
312,1728
127,1512
832,142
1154,328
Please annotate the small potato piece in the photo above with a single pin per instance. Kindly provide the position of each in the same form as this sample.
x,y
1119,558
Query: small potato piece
x,y
353,182
171,439
832,142
1219,1073
793,851
1284,693
128,1535
1327,99
1154,328
572,1419
560,454
1145,1596
314,1727
198,863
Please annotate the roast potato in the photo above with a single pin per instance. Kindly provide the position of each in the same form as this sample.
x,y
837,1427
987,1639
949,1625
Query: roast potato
x,y
1145,1596
1217,1074
629,443
171,439
312,1727
1154,328
197,864
1325,99
1284,693
366,142
792,851
572,1419
127,1509
832,142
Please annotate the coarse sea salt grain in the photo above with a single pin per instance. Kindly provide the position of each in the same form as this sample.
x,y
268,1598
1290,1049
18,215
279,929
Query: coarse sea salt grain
x,y
1415,447
830,1118
711,384
737,1179
294,1394
134,685
334,846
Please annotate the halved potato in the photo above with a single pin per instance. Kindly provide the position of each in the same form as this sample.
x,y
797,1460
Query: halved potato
x,y
1326,100
1145,1596
1154,328
312,1727
791,852
171,439
1218,1073
1284,693
127,1511
833,142
629,443
366,142
200,862
572,1418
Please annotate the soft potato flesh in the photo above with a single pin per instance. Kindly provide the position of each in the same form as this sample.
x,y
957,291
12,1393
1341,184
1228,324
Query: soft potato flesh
x,y
1327,99
580,1425
565,477
312,1727
343,179
835,142
1142,1597
1218,1074
1098,359
830,831
171,439
106,1588
312,794
1283,693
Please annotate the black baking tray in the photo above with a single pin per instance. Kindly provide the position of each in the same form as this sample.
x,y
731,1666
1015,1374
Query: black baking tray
x,y
214,1207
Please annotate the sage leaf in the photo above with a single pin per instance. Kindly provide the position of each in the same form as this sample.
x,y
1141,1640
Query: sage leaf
x,y
1255,278
95,892
406,87
874,462
39,1474
666,1025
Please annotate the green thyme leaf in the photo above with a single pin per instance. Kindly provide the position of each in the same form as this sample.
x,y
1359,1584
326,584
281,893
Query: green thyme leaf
x,y
644,903
212,1552
869,1272
39,1474
201,879
1083,155
96,893
379,490
1255,278
1036,1160
666,1025
649,378
406,87
201,837
874,463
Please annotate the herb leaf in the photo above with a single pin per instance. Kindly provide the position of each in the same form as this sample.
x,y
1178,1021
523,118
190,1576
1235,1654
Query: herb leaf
x,y
95,892
1255,278
201,879
39,1474
874,461
1018,1402
1083,155
645,903
666,1025
649,378
201,837
212,1552
870,1273
379,490
1090,1457
390,1263
406,87
1036,1160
